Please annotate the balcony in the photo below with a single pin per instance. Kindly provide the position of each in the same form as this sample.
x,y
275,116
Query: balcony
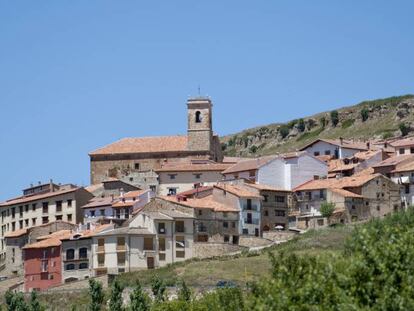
x,y
251,207
121,248
100,249
251,221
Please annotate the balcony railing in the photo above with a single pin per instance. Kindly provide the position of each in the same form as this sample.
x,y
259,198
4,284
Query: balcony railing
x,y
251,221
251,207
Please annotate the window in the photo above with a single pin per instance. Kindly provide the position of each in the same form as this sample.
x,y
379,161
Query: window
x,y
172,176
378,208
101,260
148,244
161,244
172,191
198,117
21,224
33,207
225,224
320,222
180,246
225,214
197,176
153,188
136,166
233,224
280,199
402,151
249,204
280,213
69,203
102,212
265,198
266,213
161,228
70,254
412,150
120,243
69,217
44,265
13,212
58,206
45,207
252,173
26,222
26,208
83,266
316,153
226,239
161,257
407,188
45,220
58,217
353,206
179,226
327,152
200,212
70,266
21,211
121,259
83,253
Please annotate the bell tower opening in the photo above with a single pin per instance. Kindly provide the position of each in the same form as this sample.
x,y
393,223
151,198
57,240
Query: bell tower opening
x,y
199,130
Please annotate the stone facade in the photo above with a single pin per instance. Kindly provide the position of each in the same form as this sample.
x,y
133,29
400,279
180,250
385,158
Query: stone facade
x,y
134,160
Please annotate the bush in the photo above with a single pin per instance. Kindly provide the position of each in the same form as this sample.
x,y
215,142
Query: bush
x,y
253,149
404,129
364,114
334,118
322,121
347,123
301,125
284,131
96,294
327,209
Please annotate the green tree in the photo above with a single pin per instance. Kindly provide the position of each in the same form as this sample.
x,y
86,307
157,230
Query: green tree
x,y
284,131
115,302
139,300
327,209
364,114
34,302
184,293
301,125
96,294
334,117
15,302
253,149
404,129
322,121
158,288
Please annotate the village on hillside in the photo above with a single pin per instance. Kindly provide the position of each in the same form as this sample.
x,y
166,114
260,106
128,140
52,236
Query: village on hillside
x,y
153,201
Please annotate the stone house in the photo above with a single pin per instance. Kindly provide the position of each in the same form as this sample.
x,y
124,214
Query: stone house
x,y
15,241
110,187
41,204
338,148
134,160
356,198
179,177
403,146
284,171
403,175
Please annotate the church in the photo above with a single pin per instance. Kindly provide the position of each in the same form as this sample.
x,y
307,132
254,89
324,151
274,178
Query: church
x,y
134,160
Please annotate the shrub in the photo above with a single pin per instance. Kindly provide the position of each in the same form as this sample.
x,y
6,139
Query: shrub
x,y
334,118
347,123
253,149
284,131
139,300
364,114
404,129
96,294
301,125
115,302
158,288
322,121
327,209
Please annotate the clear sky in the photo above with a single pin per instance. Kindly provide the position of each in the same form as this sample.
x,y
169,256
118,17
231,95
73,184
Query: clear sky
x,y
76,75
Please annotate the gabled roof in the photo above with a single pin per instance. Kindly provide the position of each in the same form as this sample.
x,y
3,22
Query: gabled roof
x,y
207,202
333,183
395,160
238,191
125,230
52,242
405,167
249,165
31,198
346,193
265,187
135,193
99,202
191,167
194,191
337,142
406,142
16,234
144,145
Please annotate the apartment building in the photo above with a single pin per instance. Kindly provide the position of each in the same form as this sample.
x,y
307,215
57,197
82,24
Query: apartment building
x,y
42,204
337,148
178,177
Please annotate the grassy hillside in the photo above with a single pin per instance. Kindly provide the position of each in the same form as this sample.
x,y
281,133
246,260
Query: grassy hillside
x,y
376,119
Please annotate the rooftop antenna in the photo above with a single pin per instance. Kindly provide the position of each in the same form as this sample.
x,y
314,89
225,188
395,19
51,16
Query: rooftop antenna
x,y
199,90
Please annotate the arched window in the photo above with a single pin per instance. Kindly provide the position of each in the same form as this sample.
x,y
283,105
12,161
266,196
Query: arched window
x,y
83,252
198,117
70,266
70,254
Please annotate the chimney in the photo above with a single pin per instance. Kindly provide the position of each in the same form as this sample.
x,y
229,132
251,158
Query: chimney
x,y
368,145
385,144
51,185
121,192
341,140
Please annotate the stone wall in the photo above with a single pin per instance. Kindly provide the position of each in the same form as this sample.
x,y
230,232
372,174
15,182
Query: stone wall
x,y
207,250
253,241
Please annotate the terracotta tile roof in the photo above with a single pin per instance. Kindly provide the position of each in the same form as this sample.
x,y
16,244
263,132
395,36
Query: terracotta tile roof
x,y
31,198
125,230
337,142
233,160
61,234
237,191
121,204
346,193
405,167
44,243
99,202
338,165
16,234
324,158
367,171
195,191
330,183
395,160
406,142
207,202
134,194
265,187
365,155
249,165
191,167
144,145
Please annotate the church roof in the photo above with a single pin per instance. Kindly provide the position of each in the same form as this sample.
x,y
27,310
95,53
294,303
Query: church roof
x,y
144,145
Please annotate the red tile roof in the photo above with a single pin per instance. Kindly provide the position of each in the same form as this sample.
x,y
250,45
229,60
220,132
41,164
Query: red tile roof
x,y
195,191
191,167
406,142
206,202
16,234
337,142
31,198
237,191
144,145
330,183
249,165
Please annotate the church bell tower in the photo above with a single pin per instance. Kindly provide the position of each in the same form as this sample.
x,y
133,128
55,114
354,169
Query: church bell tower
x,y
200,128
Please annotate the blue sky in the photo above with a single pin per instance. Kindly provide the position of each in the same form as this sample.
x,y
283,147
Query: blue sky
x,y
76,75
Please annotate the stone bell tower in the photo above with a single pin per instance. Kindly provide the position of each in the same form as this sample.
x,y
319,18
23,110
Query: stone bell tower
x,y
200,128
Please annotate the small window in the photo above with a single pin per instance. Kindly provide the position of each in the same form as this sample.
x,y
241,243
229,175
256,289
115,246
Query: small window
x,y
378,208
83,266
161,257
266,213
280,199
69,217
226,239
407,188
136,166
179,242
316,153
161,228
172,176
280,213
200,212
402,150
197,176
70,266
327,152
69,203
225,224
172,191
265,198
412,150
83,253
70,254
